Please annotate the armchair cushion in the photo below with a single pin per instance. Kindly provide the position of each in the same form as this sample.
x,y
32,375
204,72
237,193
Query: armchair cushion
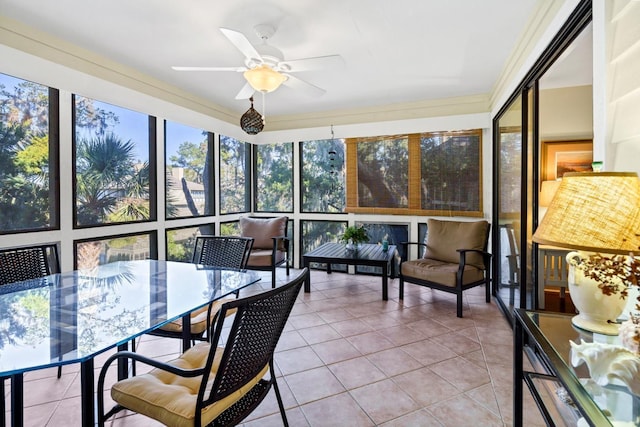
x,y
445,237
262,258
171,399
198,318
263,229
440,272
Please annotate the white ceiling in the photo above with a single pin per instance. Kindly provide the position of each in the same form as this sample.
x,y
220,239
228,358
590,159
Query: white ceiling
x,y
394,51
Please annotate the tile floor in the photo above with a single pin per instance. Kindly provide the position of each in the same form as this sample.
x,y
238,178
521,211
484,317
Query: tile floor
x,y
347,358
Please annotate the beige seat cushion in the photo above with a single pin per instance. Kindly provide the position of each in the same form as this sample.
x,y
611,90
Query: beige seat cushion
x,y
198,318
263,229
171,399
440,272
445,237
262,258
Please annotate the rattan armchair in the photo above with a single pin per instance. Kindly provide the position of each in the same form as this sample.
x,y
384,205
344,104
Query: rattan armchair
x,y
211,384
455,259
215,251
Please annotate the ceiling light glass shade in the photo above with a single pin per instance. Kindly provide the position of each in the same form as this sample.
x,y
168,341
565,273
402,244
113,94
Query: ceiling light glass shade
x,y
594,211
264,78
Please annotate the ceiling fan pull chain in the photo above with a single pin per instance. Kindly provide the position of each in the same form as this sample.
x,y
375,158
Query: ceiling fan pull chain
x,y
264,109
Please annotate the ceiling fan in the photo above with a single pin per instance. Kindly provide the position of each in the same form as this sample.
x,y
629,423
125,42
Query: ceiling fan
x,y
265,68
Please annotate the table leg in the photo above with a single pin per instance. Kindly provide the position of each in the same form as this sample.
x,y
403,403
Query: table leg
x,y
17,400
307,282
87,397
385,282
186,332
518,359
123,364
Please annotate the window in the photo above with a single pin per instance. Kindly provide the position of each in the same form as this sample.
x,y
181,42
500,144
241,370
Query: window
x,y
91,253
28,156
437,173
235,157
189,171
322,181
273,177
180,243
450,174
111,168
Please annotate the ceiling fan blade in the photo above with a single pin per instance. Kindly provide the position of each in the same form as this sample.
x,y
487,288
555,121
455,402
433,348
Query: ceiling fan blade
x,y
303,86
236,69
246,92
241,42
307,64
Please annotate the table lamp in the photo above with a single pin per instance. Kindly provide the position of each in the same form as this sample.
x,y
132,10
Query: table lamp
x,y
594,212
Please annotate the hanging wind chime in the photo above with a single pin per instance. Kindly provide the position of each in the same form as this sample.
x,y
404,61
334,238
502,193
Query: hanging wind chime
x,y
251,121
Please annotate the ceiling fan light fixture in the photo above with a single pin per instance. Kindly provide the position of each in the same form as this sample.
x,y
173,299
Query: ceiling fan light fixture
x,y
264,78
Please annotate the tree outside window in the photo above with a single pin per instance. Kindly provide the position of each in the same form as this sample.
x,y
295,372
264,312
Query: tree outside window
x,y
28,156
274,177
234,175
323,177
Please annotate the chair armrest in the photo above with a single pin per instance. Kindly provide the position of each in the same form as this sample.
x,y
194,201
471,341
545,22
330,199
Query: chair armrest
x,y
486,256
405,249
277,240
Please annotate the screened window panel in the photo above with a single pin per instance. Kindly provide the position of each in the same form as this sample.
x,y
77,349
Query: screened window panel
x,y
317,233
28,156
112,168
323,175
188,171
274,177
450,171
235,157
180,243
383,172
91,253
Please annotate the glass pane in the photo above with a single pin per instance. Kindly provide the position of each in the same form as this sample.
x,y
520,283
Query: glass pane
x,y
509,168
383,177
28,165
92,253
274,177
231,228
323,179
180,243
189,172
317,233
234,175
111,163
450,171
394,233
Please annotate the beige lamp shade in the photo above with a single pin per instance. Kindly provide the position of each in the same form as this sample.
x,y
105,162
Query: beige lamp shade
x,y
594,211
264,78
547,191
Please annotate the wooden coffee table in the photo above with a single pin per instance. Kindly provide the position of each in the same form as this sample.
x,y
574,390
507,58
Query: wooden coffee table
x,y
368,254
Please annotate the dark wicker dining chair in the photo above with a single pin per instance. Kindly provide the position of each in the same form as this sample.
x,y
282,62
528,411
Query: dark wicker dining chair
x,y
211,384
214,251
26,263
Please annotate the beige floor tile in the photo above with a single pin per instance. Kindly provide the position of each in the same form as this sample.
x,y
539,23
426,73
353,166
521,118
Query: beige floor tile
x,y
297,360
335,351
313,384
357,372
461,411
338,410
461,373
384,401
414,383
428,352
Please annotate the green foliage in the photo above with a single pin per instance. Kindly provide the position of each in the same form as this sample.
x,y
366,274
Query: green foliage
x,y
355,234
274,170
233,175
323,176
192,157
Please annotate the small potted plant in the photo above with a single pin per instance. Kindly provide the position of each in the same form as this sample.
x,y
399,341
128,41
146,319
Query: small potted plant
x,y
353,236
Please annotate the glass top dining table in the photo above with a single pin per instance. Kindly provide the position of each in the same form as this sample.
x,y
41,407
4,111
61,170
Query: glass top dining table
x,y
72,317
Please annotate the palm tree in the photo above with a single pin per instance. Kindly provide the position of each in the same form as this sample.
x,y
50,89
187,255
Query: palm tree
x,y
110,185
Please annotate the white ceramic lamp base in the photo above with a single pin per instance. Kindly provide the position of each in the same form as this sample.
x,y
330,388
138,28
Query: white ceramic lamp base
x,y
584,322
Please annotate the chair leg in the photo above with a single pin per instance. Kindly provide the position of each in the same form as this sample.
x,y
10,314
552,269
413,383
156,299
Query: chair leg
x,y
59,371
487,291
459,305
401,289
278,397
273,277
